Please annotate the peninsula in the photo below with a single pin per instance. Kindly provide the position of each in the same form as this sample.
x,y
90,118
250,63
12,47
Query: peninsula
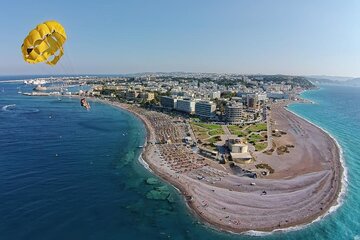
x,y
305,183
228,143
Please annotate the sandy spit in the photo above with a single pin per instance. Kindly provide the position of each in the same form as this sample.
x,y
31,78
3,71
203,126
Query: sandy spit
x,y
305,185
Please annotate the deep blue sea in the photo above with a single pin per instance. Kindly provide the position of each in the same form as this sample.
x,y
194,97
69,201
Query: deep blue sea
x,y
68,173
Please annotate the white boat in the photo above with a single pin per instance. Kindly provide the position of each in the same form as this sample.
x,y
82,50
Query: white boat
x,y
35,82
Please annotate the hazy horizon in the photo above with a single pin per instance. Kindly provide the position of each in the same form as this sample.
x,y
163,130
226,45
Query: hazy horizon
x,y
336,78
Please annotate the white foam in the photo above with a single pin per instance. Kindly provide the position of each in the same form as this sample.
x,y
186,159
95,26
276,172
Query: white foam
x,y
145,164
5,108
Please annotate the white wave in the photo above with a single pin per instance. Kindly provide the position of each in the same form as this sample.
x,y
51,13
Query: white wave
x,y
20,110
5,108
145,164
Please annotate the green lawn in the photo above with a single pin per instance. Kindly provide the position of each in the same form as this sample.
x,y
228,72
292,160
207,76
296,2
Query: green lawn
x,y
254,138
200,133
216,132
257,127
208,126
236,130
208,129
198,129
260,146
233,128
214,139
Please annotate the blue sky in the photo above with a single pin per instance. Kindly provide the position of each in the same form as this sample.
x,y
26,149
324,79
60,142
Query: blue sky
x,y
240,36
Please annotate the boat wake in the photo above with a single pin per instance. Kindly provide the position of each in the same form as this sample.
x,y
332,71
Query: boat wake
x,y
14,109
7,108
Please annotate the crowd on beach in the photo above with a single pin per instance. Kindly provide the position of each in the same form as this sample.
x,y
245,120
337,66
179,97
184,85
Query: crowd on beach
x,y
169,135
179,158
168,129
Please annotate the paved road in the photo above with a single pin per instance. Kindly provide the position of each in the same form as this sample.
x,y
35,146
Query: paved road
x,y
226,130
269,133
192,134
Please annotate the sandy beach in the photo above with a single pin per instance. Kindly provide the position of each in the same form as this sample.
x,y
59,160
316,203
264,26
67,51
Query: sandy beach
x,y
305,184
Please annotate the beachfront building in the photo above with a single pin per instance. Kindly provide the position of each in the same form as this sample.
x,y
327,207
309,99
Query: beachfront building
x,y
113,88
147,96
131,94
278,87
278,95
205,109
185,105
234,113
238,150
252,101
168,102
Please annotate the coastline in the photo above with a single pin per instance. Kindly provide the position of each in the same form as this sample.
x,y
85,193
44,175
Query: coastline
x,y
344,171
187,188
343,184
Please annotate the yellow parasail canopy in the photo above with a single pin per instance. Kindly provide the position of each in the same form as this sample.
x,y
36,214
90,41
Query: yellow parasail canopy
x,y
44,43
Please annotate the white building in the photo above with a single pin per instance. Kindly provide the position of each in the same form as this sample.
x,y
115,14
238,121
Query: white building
x,y
238,150
185,105
168,102
252,101
233,113
205,109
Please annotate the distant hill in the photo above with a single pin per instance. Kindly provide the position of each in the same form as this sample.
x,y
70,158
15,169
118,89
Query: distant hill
x,y
341,81
291,80
331,78
353,82
251,80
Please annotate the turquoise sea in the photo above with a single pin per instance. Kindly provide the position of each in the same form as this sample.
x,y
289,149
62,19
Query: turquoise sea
x,y
67,173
